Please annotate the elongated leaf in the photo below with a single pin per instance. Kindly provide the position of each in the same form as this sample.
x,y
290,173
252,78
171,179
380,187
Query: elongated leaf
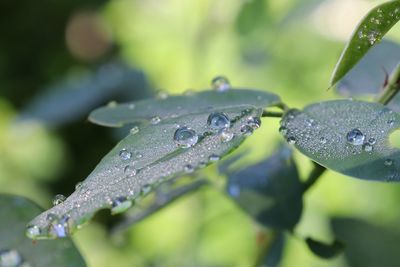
x,y
165,148
324,250
366,244
350,137
368,76
178,105
370,31
17,250
275,252
270,191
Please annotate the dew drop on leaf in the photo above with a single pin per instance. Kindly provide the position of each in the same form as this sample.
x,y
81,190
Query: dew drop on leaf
x,y
58,199
33,231
355,137
185,137
246,130
214,157
226,136
188,168
254,122
125,154
134,130
155,120
120,205
291,140
11,258
130,171
220,83
218,120
388,162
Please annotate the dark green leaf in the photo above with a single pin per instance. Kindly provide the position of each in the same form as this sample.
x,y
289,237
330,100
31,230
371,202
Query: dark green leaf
x,y
178,105
149,155
370,31
275,252
269,191
350,137
15,247
368,76
366,244
324,250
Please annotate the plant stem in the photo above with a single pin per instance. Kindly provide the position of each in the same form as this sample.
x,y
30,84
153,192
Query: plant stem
x,y
391,87
272,114
158,204
313,177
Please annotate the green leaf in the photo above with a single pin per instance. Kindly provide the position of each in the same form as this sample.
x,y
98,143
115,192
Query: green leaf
x,y
370,31
367,244
16,248
178,105
269,191
350,137
150,155
275,252
324,250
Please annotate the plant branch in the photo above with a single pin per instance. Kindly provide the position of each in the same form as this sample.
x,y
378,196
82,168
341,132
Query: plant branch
x,y
313,177
272,114
158,204
391,87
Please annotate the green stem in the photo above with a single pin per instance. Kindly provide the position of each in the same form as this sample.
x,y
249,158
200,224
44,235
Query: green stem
x,y
272,114
391,88
313,177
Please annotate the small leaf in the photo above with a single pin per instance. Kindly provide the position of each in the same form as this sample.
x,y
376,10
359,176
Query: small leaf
x,y
16,249
275,252
178,105
270,191
323,250
370,31
350,137
169,145
368,76
366,244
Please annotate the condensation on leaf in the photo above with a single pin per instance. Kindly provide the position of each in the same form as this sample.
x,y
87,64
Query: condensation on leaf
x,y
356,137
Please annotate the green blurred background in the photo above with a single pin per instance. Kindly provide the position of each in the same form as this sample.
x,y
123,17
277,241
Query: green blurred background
x,y
288,47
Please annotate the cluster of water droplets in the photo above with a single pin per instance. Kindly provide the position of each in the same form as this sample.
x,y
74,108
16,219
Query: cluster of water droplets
x,y
12,258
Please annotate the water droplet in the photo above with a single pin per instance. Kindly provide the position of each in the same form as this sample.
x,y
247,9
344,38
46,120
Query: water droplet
x,y
220,83
145,189
214,157
134,130
162,94
226,136
218,120
368,147
323,140
155,120
131,106
246,130
390,122
10,258
130,171
185,137
355,137
388,162
372,141
125,154
188,168
254,122
138,155
78,186
32,232
291,140
120,204
58,199
283,130
112,104
60,227
51,217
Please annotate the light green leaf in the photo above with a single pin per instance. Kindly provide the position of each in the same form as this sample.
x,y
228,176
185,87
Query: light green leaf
x,y
350,137
178,105
170,146
17,250
370,31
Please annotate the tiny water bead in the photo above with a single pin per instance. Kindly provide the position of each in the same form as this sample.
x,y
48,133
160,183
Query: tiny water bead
x,y
145,189
372,141
254,122
283,130
58,199
218,120
323,140
32,231
226,136
60,227
185,137
162,94
246,130
221,84
368,147
291,140
355,137
51,217
125,154
155,120
130,171
78,186
134,130
214,157
388,162
11,258
188,168
120,204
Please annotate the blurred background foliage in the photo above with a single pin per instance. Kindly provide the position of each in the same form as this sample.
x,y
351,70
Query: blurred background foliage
x,y
59,60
